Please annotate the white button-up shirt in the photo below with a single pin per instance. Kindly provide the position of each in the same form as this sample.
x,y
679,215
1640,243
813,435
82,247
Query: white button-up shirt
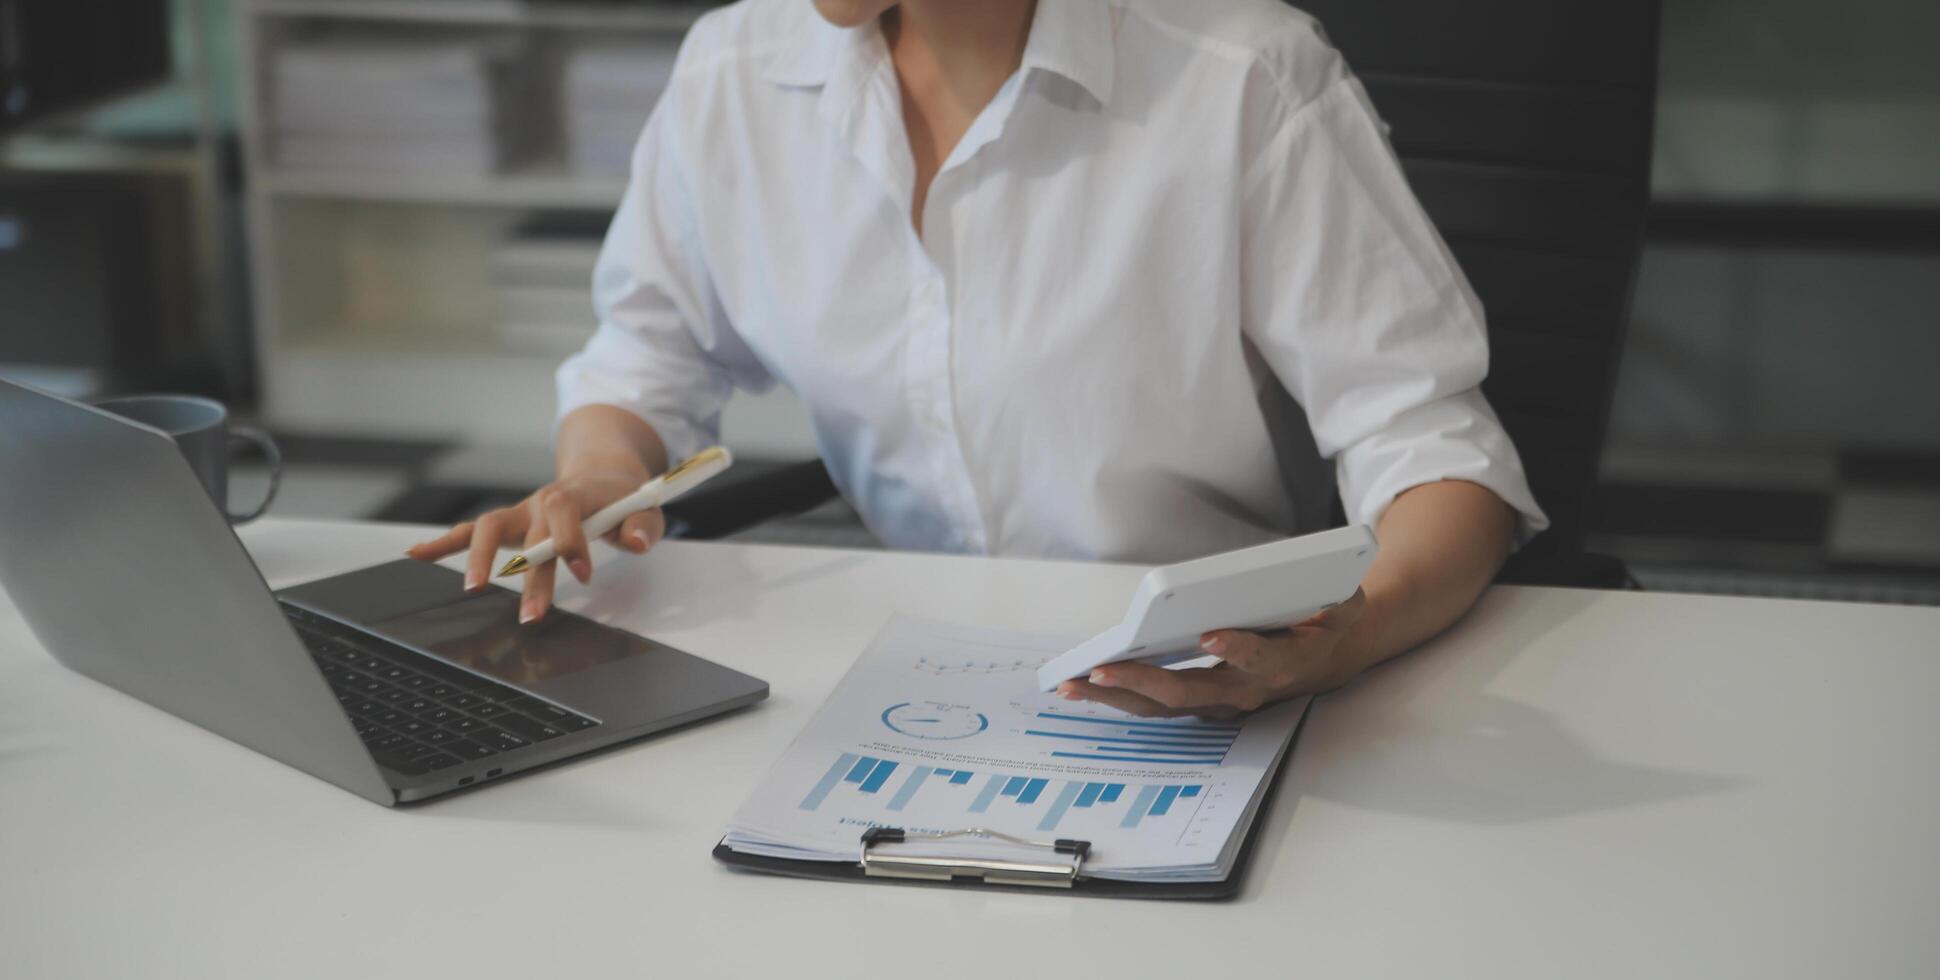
x,y
1168,206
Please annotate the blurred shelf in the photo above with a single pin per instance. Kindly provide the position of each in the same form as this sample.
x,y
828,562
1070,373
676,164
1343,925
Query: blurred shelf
x,y
454,386
423,384
543,185
92,153
511,13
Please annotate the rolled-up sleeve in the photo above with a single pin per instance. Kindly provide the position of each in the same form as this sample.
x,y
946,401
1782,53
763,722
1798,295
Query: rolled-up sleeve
x,y
665,349
1357,306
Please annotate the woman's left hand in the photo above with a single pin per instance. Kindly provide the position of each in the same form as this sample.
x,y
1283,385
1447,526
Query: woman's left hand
x,y
1312,657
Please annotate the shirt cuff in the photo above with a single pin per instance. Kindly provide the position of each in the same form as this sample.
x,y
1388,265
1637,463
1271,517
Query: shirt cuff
x,y
1456,438
680,435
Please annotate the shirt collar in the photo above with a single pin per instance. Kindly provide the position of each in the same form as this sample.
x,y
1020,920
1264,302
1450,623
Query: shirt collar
x,y
1072,38
810,57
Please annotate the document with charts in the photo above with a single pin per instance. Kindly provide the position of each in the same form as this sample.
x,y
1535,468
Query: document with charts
x,y
940,728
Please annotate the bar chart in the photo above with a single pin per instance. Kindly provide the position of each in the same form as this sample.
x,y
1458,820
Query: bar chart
x,y
1155,801
1180,743
869,776
1022,790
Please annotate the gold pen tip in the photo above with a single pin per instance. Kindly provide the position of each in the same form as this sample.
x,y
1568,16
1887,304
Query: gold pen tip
x,y
701,458
515,566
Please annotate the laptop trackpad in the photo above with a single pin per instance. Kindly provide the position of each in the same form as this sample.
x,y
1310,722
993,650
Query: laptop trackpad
x,y
483,633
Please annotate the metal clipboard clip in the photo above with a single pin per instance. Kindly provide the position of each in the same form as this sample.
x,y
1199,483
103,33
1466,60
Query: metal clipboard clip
x,y
1056,874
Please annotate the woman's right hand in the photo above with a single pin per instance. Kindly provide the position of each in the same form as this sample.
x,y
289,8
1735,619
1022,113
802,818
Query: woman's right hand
x,y
554,511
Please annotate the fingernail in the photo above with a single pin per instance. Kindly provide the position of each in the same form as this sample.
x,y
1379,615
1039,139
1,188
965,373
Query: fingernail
x,y
1213,644
638,537
1069,695
527,615
1102,679
471,582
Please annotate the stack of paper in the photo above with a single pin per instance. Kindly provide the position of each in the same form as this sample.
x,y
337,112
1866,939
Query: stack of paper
x,y
940,728
543,274
609,89
378,104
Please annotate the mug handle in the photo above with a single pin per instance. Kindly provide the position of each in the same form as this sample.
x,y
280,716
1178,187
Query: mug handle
x,y
273,455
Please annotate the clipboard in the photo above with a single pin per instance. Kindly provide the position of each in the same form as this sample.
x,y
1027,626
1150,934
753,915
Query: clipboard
x,y
1061,872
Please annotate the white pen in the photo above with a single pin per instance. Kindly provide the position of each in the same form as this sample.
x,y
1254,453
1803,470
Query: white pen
x,y
662,489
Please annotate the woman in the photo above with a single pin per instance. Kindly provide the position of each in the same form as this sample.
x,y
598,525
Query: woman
x,y
1029,265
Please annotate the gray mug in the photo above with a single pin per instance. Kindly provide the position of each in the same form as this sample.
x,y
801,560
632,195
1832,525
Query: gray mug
x,y
200,427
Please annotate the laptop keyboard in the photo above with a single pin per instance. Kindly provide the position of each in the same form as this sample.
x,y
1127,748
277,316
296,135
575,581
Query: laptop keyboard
x,y
418,714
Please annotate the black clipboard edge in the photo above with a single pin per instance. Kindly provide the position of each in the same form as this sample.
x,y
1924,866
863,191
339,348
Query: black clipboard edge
x,y
1223,890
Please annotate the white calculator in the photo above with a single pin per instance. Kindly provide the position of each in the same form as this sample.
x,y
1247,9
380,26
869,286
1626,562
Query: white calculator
x,y
1267,587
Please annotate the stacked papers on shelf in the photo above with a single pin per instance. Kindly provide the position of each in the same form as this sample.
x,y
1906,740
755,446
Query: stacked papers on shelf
x,y
941,728
377,104
543,274
608,91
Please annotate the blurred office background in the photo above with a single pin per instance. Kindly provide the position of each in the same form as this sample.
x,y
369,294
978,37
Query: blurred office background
x,y
370,224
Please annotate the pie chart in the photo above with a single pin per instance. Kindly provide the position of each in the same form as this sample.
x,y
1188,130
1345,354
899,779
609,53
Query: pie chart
x,y
934,720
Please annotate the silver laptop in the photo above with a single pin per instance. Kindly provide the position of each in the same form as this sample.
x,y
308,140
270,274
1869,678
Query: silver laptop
x,y
390,681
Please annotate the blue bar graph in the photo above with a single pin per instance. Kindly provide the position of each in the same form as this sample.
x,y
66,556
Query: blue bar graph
x,y
869,775
1154,760
1098,794
1156,801
1170,726
1080,795
988,794
879,776
1166,796
921,774
821,791
1060,806
1202,744
1217,750
1140,805
1024,788
1071,736
910,786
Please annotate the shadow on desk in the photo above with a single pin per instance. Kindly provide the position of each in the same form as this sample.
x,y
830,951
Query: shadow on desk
x,y
531,797
1424,736
20,741
726,586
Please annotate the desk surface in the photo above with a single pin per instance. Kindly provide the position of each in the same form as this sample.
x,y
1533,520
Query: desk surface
x,y
1568,784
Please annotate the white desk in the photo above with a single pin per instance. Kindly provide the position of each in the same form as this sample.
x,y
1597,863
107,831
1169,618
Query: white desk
x,y
1571,784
